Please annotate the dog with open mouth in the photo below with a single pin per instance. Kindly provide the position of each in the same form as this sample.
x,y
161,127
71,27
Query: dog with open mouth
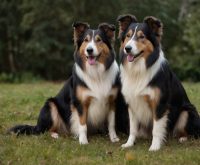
x,y
90,96
157,102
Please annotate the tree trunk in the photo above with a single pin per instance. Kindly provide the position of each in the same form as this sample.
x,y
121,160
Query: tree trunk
x,y
184,9
10,54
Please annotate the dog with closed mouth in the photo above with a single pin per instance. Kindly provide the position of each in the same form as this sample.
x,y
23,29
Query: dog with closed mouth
x,y
157,102
89,97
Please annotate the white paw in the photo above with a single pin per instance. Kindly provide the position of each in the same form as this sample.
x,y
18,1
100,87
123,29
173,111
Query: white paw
x,y
154,147
114,139
83,140
130,142
54,135
126,145
182,139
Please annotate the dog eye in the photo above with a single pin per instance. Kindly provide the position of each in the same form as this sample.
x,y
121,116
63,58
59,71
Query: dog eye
x,y
141,37
128,35
98,39
86,39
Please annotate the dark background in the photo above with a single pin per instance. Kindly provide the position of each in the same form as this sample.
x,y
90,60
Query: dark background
x,y
36,35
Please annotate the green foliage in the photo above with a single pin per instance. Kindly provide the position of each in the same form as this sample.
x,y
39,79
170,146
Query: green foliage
x,y
185,55
36,37
20,104
25,77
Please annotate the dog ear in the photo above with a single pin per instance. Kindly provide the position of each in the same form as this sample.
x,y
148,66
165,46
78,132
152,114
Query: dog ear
x,y
79,29
108,29
124,22
155,25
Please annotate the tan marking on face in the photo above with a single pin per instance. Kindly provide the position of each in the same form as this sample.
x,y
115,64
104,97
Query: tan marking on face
x,y
127,38
102,48
81,93
97,39
58,124
143,44
123,44
82,49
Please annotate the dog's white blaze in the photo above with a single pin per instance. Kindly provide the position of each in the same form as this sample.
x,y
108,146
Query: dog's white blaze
x,y
92,45
159,133
134,33
132,43
135,79
100,84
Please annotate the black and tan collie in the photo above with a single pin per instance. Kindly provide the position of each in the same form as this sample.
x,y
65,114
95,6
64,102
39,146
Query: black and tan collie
x,y
88,98
157,102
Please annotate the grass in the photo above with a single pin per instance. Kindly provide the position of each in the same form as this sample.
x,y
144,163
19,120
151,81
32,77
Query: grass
x,y
21,104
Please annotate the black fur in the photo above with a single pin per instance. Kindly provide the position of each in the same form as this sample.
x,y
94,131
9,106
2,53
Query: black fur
x,y
61,100
175,99
171,99
67,97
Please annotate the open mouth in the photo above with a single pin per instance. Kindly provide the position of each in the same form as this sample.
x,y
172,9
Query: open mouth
x,y
131,57
92,59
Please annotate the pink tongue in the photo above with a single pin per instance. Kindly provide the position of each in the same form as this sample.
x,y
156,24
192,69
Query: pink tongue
x,y
91,60
130,58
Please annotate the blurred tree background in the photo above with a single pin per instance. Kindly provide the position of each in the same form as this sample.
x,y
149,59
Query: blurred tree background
x,y
36,36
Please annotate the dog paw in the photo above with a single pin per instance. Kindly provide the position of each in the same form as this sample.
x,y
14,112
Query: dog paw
x,y
54,135
114,139
83,140
154,147
126,145
182,139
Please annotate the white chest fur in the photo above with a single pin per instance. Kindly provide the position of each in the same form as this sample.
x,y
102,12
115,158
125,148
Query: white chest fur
x,y
100,84
135,79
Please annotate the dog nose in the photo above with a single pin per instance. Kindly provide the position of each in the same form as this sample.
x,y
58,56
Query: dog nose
x,y
128,49
90,50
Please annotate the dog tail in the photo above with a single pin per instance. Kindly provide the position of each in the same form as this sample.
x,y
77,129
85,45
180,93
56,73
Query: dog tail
x,y
44,122
193,126
24,129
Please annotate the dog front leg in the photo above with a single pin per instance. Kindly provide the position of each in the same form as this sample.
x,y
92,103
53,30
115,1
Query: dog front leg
x,y
111,126
159,133
133,130
83,127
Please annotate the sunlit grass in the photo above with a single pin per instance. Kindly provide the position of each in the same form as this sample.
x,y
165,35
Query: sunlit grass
x,y
21,104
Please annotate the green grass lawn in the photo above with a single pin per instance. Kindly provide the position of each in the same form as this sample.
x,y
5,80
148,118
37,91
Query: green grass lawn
x,y
20,103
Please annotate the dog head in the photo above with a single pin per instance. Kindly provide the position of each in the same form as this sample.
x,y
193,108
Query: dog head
x,y
94,47
139,40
